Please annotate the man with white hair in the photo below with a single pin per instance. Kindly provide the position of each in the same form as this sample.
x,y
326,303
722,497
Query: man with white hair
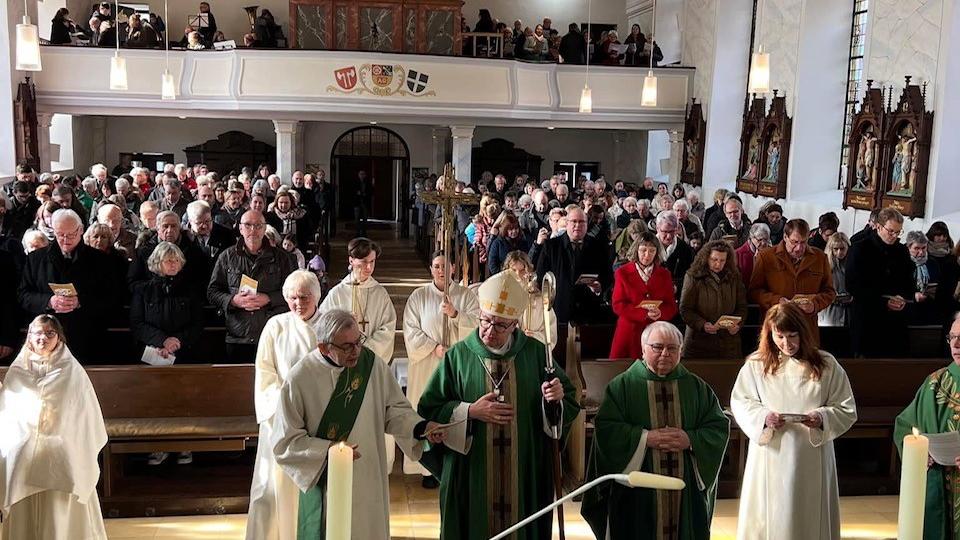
x,y
681,433
197,268
677,254
734,228
90,289
112,216
341,395
495,387
690,222
212,238
537,217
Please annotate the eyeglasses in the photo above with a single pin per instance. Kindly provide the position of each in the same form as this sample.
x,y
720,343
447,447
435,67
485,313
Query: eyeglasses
x,y
350,347
254,226
69,236
953,337
659,348
898,234
499,327
49,334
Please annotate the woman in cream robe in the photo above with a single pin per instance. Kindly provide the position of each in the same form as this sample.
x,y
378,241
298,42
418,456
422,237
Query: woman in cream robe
x,y
285,340
423,321
532,321
790,484
51,432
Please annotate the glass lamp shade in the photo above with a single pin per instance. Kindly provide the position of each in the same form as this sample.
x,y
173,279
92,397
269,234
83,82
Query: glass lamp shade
x,y
168,90
118,73
586,100
649,96
760,72
28,46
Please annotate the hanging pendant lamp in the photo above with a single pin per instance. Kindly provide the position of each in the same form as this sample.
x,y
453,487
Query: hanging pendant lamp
x,y
586,95
648,98
168,90
28,44
118,64
759,80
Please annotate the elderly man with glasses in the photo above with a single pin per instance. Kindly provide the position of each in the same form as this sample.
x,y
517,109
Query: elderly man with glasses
x,y
681,433
933,410
494,387
247,285
880,279
341,394
77,283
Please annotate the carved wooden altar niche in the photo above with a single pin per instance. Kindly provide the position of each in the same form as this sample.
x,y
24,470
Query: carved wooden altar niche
x,y
866,152
907,138
400,26
26,128
231,151
775,155
694,143
750,146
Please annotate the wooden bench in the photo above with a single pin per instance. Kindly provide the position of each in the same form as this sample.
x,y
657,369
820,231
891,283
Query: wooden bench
x,y
867,461
198,408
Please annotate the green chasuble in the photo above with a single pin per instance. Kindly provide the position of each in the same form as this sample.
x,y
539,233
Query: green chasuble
x,y
639,400
335,425
936,409
506,473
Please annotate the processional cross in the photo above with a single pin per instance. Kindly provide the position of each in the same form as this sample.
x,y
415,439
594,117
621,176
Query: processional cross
x,y
447,200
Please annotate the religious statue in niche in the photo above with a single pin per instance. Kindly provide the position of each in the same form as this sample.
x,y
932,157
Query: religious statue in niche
x,y
867,147
903,163
753,158
773,158
694,143
866,160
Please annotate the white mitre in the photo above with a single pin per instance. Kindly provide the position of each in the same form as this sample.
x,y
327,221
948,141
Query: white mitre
x,y
503,295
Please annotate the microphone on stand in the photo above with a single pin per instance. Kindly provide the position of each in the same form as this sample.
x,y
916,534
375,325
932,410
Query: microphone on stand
x,y
634,479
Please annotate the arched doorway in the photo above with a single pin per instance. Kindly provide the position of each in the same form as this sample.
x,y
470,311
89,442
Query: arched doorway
x,y
385,157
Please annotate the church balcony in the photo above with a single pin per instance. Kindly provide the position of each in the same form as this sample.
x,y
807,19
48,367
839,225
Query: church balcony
x,y
317,85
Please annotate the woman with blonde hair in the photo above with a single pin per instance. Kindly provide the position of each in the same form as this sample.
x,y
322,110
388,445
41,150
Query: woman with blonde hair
x,y
792,400
53,432
532,321
838,312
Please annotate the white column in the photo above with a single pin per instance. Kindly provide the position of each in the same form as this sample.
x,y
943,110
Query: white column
x,y
10,16
441,138
99,139
676,155
301,154
44,120
462,151
286,131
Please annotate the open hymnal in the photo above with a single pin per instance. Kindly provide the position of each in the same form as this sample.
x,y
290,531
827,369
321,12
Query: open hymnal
x,y
792,418
649,304
248,285
63,289
152,356
728,321
803,298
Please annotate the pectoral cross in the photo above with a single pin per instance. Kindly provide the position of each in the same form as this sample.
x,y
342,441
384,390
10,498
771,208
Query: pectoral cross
x,y
359,310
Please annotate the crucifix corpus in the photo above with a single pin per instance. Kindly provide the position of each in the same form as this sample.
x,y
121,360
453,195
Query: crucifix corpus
x,y
447,200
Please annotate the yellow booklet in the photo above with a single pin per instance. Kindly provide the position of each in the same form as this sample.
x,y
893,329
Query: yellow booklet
x,y
728,321
248,285
63,289
649,304
801,298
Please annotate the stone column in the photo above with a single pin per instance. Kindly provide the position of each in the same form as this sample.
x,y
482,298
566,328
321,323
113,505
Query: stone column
x,y
44,120
441,141
462,151
676,155
301,154
286,131
99,139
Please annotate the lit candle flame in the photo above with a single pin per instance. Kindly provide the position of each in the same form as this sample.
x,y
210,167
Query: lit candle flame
x,y
916,432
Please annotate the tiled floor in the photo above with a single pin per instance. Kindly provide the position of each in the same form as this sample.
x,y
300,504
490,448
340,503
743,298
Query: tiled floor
x,y
414,514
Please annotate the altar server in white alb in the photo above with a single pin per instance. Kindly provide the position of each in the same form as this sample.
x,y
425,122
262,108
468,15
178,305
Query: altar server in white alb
x,y
428,309
342,393
285,340
370,305
792,400
51,432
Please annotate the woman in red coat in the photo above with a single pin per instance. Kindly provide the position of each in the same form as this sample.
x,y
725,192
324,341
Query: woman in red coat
x,y
642,279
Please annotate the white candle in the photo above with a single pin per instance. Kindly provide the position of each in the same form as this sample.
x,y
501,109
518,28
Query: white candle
x,y
913,486
339,491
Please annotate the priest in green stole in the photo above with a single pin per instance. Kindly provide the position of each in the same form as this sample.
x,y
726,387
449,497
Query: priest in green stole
x,y
936,409
656,417
497,460
341,392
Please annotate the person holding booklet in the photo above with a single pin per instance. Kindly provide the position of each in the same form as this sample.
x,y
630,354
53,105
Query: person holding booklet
x,y
642,293
713,304
792,400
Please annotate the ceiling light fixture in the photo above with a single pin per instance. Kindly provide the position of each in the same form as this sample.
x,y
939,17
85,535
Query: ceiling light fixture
x,y
759,81
118,64
586,96
168,90
648,98
28,43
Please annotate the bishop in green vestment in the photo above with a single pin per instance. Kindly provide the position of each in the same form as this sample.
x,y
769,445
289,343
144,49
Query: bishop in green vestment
x,y
660,418
936,409
496,465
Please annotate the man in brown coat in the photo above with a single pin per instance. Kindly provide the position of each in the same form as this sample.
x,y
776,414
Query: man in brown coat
x,y
793,271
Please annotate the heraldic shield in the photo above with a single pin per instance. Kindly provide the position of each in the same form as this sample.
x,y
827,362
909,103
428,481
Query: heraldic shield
x,y
416,81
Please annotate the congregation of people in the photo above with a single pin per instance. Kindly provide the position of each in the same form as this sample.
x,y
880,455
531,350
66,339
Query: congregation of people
x,y
483,406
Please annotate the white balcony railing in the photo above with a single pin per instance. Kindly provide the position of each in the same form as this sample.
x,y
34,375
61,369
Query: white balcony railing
x,y
357,86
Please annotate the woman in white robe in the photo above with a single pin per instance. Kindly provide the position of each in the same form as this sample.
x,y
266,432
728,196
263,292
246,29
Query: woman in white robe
x,y
51,433
532,321
285,340
370,304
423,319
792,400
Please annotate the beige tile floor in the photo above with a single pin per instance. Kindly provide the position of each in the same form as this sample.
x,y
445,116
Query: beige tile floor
x,y
414,514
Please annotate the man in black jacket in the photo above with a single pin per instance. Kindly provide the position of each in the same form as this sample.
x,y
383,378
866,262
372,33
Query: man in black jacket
x,y
573,257
247,311
22,212
212,238
679,255
68,261
10,315
573,49
871,226
880,278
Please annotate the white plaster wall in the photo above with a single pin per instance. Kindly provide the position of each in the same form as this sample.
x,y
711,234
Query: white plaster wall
x,y
905,40
699,44
780,36
61,133
658,148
